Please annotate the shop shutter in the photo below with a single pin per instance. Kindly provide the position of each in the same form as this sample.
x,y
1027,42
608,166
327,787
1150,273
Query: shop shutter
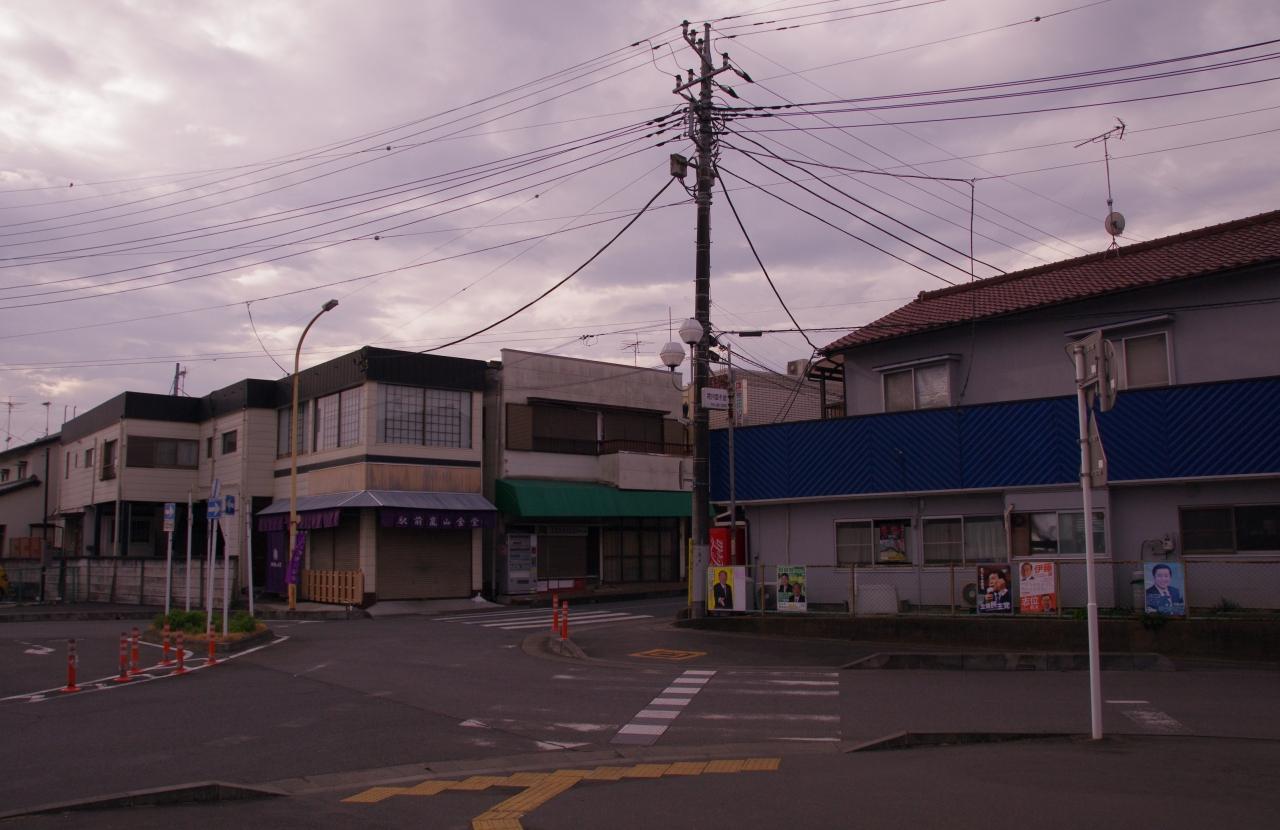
x,y
519,426
423,564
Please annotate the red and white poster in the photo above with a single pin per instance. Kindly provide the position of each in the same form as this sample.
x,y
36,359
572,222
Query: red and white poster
x,y
720,546
1037,588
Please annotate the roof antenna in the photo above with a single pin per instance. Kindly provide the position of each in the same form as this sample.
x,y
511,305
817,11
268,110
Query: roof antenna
x,y
1114,223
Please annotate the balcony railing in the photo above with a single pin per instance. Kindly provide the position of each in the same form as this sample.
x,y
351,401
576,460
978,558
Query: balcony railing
x,y
575,446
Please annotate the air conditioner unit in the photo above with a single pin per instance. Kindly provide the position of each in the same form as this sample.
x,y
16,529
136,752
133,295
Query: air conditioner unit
x,y
796,368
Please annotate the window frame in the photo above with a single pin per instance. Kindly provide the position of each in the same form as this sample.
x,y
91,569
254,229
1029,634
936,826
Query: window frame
x,y
944,362
322,424
153,461
1001,557
1168,358
232,437
1233,525
440,414
1100,550
874,525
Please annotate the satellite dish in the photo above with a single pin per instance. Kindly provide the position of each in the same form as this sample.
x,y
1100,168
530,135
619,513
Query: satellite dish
x,y
1114,223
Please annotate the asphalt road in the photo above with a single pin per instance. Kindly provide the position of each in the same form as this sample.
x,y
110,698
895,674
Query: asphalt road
x,y
333,708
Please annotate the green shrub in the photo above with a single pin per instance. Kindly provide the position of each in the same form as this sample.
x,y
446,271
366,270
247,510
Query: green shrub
x,y
242,621
188,622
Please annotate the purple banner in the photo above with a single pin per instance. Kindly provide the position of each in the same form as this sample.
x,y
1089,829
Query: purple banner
x,y
436,519
310,520
295,561
276,542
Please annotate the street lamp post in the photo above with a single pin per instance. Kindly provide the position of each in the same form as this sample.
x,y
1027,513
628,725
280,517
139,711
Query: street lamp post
x,y
694,333
293,457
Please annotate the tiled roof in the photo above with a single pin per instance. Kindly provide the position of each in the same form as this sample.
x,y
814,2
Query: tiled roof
x,y
1218,248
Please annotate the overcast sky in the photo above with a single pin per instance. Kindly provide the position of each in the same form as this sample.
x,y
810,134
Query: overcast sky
x,y
166,168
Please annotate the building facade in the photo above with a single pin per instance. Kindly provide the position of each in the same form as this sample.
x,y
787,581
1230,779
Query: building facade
x,y
29,499
588,464
960,450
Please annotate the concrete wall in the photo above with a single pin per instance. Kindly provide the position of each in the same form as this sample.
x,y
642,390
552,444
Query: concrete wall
x,y
528,375
1023,357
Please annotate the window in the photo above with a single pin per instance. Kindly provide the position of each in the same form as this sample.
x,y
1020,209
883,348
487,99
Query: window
x,y
67,459
167,453
229,442
1052,533
919,387
22,469
4,473
424,417
1245,529
283,416
878,542
1146,360
108,460
88,459
964,540
337,419
208,447
632,432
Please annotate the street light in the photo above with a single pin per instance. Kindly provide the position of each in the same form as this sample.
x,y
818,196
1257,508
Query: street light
x,y
694,333
293,456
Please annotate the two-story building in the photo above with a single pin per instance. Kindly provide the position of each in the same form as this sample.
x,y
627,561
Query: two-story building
x,y
389,451
587,463
29,498
960,447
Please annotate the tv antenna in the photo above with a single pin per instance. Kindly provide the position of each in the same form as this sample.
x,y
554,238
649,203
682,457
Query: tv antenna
x,y
1114,223
634,346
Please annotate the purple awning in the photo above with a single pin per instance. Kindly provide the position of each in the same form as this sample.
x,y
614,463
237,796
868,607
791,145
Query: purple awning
x,y
307,520
418,519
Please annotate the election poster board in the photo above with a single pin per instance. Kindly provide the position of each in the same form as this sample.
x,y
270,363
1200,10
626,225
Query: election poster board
x,y
792,581
1165,590
995,594
1037,588
727,589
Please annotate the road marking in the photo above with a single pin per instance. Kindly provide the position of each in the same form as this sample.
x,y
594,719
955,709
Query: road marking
x,y
1153,721
539,788
1129,702
36,648
650,723
668,654
537,618
780,692
574,622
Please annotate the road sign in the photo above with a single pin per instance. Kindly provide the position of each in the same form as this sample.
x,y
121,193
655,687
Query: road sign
x,y
215,489
229,505
215,508
170,515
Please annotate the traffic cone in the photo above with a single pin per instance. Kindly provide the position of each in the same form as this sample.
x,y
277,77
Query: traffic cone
x,y
182,656
165,659
136,666
213,648
73,660
124,659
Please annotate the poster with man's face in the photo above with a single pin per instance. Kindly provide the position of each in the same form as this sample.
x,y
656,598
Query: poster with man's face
x,y
726,589
1037,588
995,594
1165,591
791,588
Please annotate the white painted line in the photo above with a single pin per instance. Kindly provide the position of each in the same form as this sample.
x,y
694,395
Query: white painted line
x,y
642,729
1129,702
1154,721
693,681
670,701
662,714
774,692
811,740
706,672
803,682
778,716
573,621
682,690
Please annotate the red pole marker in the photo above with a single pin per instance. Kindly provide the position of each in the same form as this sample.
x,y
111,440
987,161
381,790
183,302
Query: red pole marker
x,y
124,659
555,614
564,622
213,648
72,661
165,659
182,657
136,667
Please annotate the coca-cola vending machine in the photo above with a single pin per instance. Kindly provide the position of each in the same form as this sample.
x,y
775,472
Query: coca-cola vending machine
x,y
720,554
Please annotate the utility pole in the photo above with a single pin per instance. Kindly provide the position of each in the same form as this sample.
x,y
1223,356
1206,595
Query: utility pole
x,y
702,131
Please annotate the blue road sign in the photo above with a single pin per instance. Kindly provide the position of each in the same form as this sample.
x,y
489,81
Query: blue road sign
x,y
215,509
228,505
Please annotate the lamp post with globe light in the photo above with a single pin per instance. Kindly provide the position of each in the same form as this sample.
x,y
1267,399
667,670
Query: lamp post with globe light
x,y
694,334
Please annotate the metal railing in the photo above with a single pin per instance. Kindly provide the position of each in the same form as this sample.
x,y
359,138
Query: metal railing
x,y
1207,588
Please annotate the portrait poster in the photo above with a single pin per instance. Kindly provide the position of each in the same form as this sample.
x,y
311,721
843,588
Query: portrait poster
x,y
1165,590
995,595
727,589
891,544
792,588
1037,588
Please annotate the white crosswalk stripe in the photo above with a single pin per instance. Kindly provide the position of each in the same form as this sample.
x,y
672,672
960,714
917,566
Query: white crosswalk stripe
x,y
534,618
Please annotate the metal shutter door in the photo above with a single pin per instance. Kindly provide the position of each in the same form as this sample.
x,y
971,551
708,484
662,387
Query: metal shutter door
x,y
423,564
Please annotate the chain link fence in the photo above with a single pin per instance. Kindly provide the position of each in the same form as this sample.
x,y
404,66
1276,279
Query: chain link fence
x,y
123,581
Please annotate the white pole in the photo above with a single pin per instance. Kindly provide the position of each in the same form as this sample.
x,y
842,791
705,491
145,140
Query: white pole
x,y
168,573
248,549
209,573
190,522
226,588
1086,488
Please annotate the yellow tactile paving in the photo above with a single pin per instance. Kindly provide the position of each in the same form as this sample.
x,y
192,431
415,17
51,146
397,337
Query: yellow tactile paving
x,y
540,787
647,771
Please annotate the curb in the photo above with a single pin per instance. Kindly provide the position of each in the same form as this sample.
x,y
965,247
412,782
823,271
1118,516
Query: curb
x,y
1009,661
911,740
199,792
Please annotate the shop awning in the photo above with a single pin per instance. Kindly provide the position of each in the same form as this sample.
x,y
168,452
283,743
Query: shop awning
x,y
398,508
563,499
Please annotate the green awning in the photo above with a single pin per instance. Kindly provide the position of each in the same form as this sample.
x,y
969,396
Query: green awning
x,y
529,498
